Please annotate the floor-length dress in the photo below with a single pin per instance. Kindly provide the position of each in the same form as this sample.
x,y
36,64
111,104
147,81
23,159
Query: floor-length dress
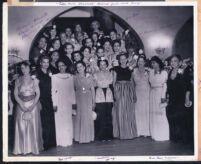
x,y
124,124
104,104
28,133
176,89
83,123
142,88
159,127
47,112
63,96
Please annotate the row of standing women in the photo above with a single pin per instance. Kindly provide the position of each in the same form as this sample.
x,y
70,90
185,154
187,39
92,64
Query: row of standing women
x,y
128,104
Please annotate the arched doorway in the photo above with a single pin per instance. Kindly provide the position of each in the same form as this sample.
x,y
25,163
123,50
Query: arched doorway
x,y
183,43
85,15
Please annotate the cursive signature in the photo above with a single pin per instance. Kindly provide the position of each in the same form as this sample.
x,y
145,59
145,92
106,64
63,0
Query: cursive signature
x,y
163,158
64,158
25,30
106,158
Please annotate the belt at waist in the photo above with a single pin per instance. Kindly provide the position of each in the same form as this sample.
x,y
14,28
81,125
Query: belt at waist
x,y
123,82
83,90
156,86
27,98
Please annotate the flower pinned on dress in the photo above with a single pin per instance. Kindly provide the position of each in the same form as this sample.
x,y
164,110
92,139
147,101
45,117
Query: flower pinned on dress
x,y
88,75
41,51
127,31
141,51
54,26
33,77
91,60
135,57
103,58
51,49
130,68
180,71
50,74
98,44
73,40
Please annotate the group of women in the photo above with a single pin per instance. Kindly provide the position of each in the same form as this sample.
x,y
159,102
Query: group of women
x,y
98,92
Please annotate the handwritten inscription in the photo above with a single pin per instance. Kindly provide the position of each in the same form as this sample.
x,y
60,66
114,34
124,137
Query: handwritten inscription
x,y
106,158
25,30
132,16
101,158
64,158
97,3
163,158
168,25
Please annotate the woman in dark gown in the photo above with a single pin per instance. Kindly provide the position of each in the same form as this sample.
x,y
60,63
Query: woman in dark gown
x,y
189,104
47,112
176,90
124,124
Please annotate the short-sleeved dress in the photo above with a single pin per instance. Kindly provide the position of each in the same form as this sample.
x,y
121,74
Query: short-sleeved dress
x,y
159,127
124,124
83,122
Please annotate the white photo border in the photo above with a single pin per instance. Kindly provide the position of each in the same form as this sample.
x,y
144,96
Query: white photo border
x,y
7,158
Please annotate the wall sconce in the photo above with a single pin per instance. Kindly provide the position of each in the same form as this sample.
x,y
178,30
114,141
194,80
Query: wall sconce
x,y
13,56
159,43
160,51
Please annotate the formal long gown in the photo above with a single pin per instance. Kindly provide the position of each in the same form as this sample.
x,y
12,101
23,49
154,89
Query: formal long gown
x,y
159,127
142,88
47,112
175,110
28,133
104,104
124,123
63,96
83,123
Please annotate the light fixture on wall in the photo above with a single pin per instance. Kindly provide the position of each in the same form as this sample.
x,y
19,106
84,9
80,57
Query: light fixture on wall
x,y
160,43
13,56
160,51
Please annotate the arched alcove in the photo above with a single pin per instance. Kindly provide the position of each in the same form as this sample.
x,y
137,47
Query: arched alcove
x,y
183,43
85,15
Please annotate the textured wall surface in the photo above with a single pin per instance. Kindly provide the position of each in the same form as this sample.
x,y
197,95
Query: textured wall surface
x,y
156,26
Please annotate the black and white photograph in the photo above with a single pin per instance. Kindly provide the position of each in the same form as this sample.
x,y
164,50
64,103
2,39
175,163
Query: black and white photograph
x,y
100,82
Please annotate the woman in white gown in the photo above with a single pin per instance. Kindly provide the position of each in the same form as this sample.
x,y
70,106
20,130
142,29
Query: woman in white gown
x,y
159,127
63,96
141,79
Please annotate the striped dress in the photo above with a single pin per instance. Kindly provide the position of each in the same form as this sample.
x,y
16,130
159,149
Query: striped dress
x,y
124,124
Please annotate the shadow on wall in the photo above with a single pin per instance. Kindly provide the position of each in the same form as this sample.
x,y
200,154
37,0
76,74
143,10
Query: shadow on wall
x,y
183,43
